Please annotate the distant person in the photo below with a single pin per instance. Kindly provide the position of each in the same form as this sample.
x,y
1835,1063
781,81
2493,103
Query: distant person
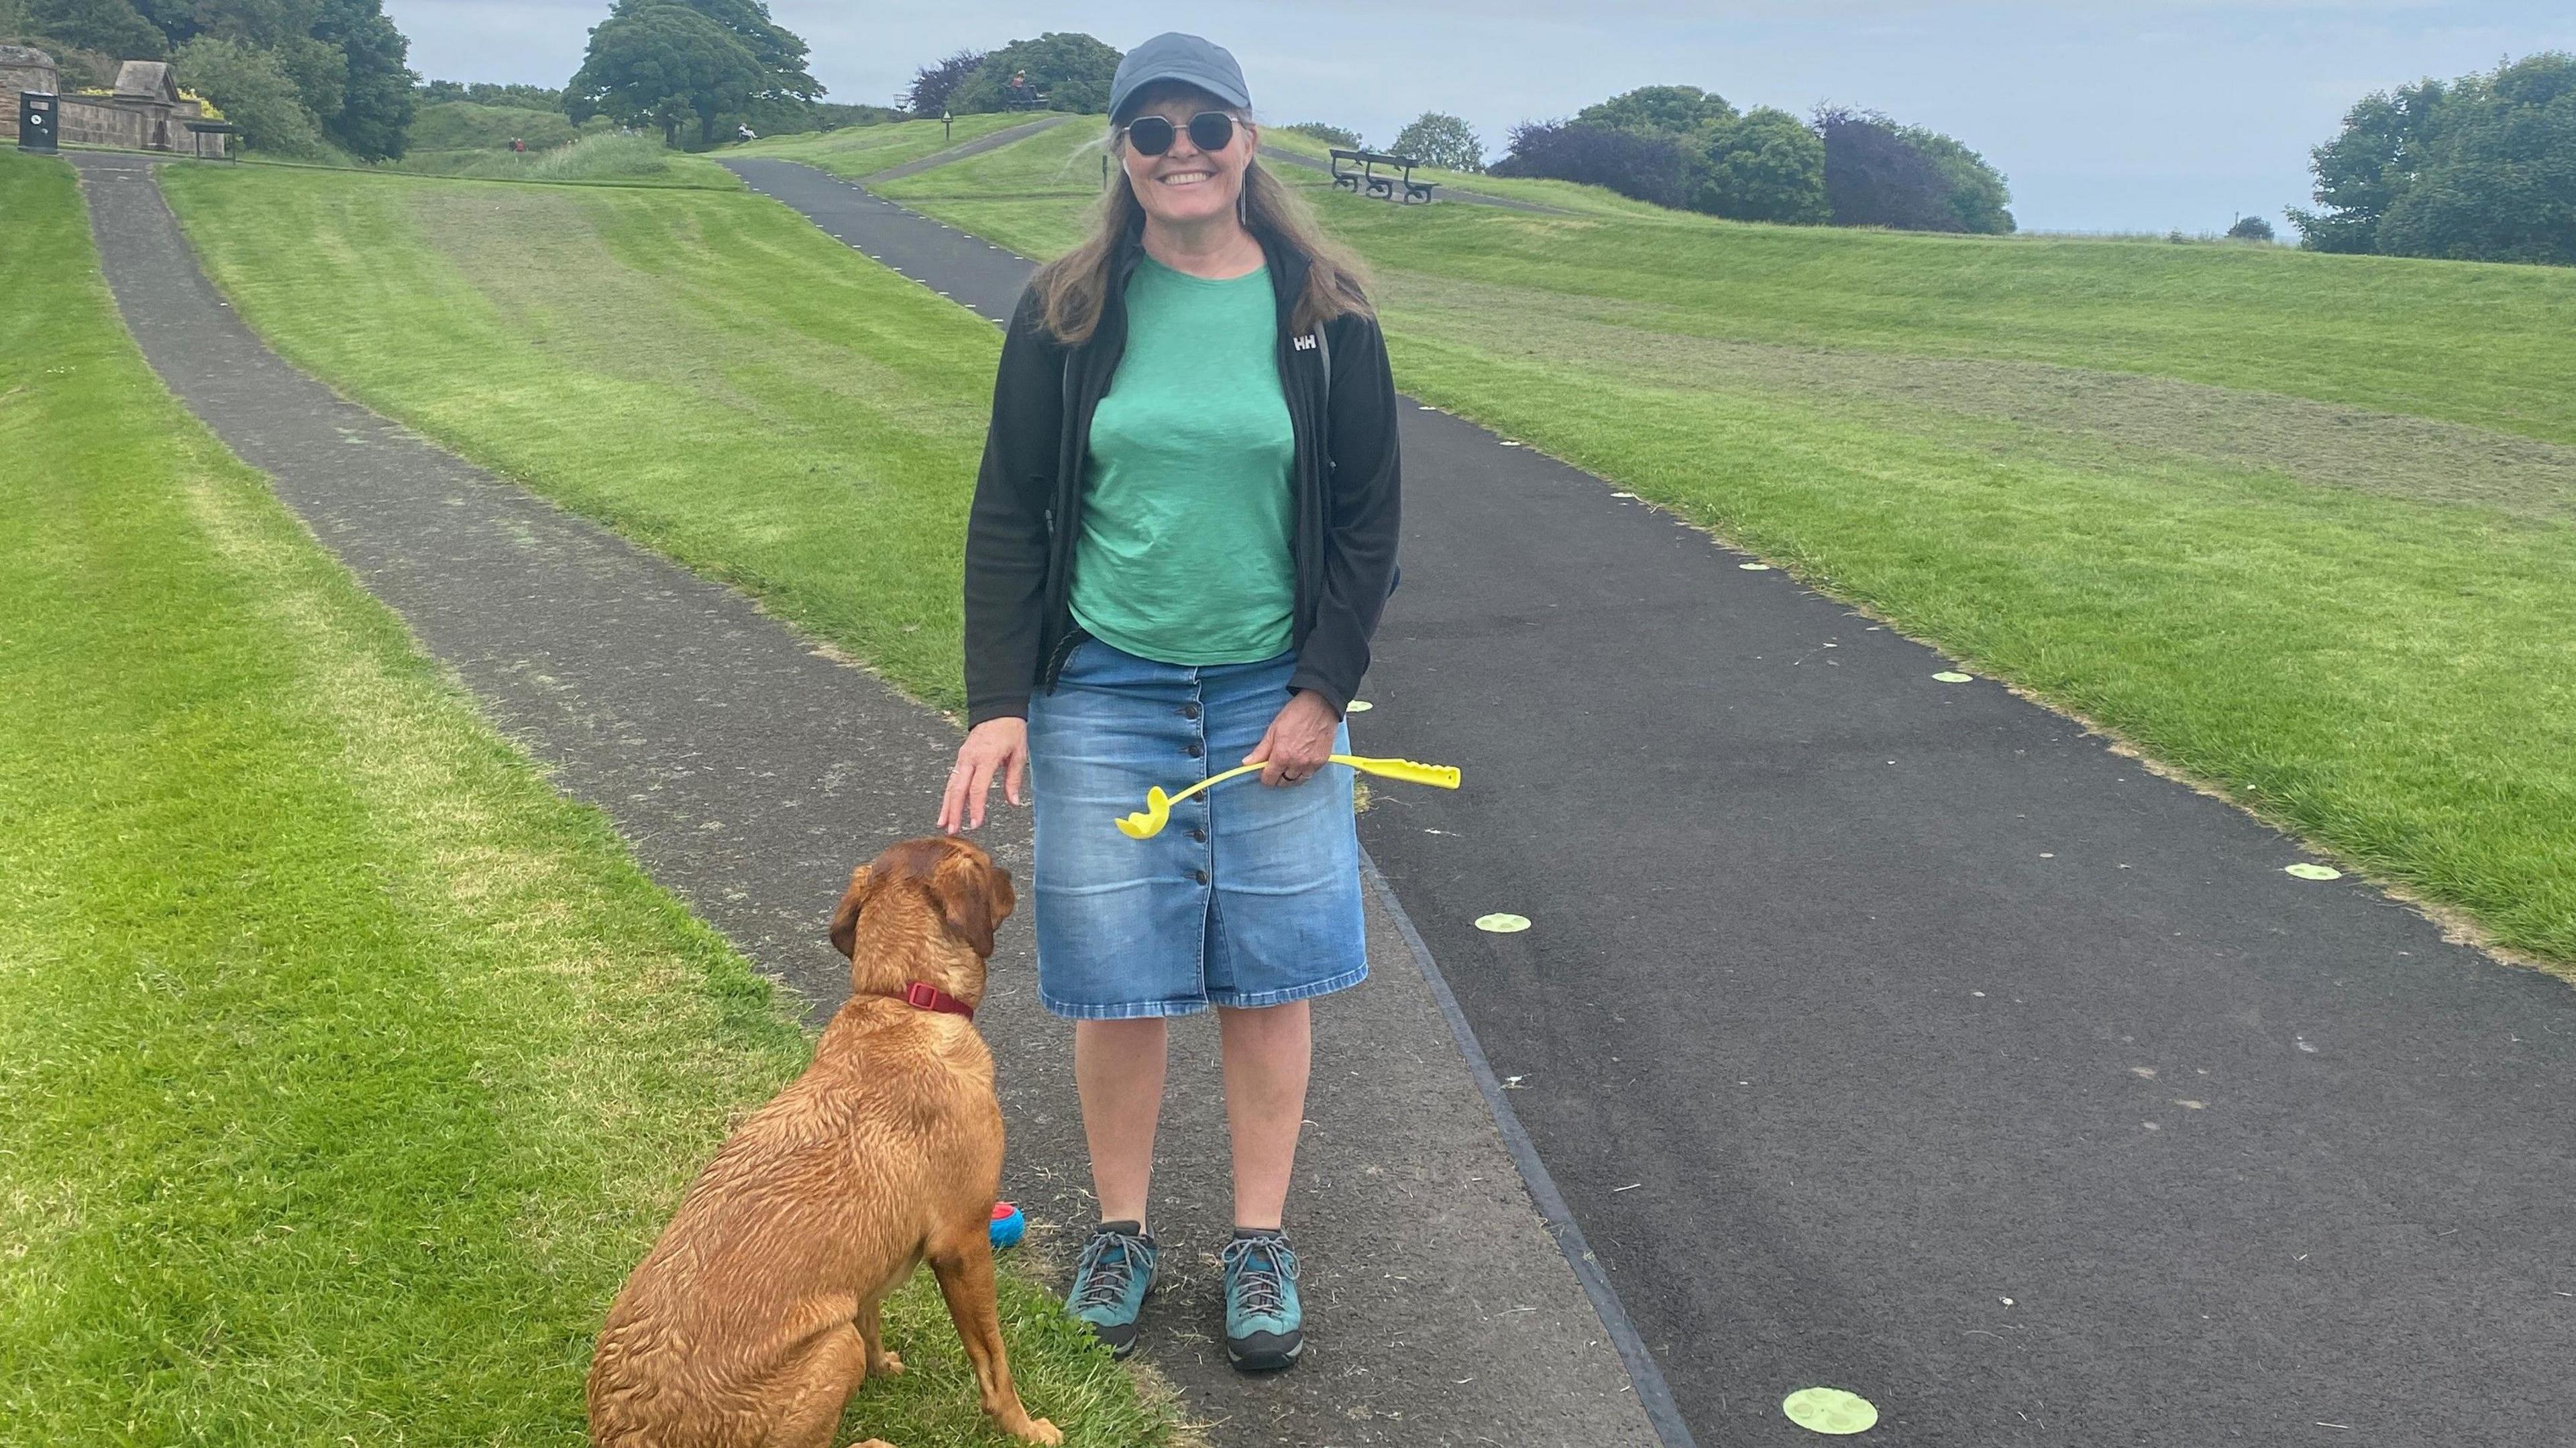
x,y
744,133
1019,96
1182,537
518,147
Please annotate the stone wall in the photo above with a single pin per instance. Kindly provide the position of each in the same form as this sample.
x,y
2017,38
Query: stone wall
x,y
145,113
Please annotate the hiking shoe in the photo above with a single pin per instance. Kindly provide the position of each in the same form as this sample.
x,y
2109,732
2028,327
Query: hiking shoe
x,y
1265,1328
1110,1281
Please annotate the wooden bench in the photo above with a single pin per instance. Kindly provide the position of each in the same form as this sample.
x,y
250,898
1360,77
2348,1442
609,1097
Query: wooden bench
x,y
1367,182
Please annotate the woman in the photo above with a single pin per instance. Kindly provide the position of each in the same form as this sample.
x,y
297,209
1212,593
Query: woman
x,y
1181,540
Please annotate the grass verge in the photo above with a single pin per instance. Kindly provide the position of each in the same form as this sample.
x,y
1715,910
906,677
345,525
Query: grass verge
x,y
707,373
865,150
349,1068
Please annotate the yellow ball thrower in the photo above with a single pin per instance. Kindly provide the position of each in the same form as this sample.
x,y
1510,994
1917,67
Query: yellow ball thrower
x,y
1149,821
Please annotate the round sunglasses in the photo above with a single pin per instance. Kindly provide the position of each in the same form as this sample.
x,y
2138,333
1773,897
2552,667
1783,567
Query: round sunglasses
x,y
1153,135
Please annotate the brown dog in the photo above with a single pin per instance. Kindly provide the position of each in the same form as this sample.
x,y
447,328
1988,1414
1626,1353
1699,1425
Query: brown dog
x,y
754,1319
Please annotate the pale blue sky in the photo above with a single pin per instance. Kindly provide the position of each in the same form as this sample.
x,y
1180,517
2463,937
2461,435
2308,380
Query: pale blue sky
x,y
2144,115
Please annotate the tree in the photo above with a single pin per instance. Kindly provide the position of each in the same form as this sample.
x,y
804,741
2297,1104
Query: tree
x,y
253,91
112,26
932,85
2496,178
1768,166
778,51
1329,135
661,65
1665,109
2361,171
1978,195
1874,176
1651,168
1436,139
2251,228
374,118
1071,70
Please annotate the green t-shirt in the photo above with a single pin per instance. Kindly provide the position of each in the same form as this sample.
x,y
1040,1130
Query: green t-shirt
x,y
1184,553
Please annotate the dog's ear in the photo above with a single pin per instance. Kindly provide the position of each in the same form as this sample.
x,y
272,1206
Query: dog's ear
x,y
974,897
845,916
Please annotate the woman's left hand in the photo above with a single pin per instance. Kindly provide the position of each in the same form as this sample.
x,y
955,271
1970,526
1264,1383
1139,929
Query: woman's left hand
x,y
1298,741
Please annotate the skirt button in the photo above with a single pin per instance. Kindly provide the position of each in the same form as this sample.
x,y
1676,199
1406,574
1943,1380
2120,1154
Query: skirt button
x,y
1196,749
1199,875
1189,711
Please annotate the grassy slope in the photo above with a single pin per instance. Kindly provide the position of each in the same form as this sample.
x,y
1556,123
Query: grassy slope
x,y
1966,435
349,1068
706,372
865,150
2071,462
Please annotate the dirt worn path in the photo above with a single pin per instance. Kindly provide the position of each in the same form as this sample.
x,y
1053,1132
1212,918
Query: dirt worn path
x,y
1897,1034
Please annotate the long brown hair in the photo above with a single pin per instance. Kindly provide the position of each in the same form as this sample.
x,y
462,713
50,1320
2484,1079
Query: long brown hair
x,y
1074,287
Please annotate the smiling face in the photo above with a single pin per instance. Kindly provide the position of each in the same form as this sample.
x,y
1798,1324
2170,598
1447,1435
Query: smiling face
x,y
1186,186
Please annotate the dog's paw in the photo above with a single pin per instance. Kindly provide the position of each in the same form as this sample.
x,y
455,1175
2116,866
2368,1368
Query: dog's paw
x,y
1042,1431
873,1443
886,1366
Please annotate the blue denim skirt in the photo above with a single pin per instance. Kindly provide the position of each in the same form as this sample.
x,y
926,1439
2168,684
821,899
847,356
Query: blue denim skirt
x,y
1249,897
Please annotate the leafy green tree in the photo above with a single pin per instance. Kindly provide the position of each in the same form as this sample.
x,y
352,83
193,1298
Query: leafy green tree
x,y
253,91
778,51
112,26
2362,170
375,112
2251,228
1071,70
1329,135
1437,139
1669,109
1767,166
1978,194
1875,176
2496,180
663,65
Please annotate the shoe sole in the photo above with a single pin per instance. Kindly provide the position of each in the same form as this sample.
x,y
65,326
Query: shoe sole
x,y
1265,1362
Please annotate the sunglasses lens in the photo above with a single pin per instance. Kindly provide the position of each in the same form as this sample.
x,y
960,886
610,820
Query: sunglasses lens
x,y
1152,135
1211,130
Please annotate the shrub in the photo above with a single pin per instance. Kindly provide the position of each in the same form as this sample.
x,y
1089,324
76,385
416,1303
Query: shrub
x,y
1329,135
1766,167
2251,228
1654,169
1440,140
256,94
1875,176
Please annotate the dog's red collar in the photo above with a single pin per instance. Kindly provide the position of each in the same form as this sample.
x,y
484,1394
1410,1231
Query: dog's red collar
x,y
922,995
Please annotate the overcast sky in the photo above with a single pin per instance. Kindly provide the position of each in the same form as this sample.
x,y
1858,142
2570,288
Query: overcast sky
x,y
2143,115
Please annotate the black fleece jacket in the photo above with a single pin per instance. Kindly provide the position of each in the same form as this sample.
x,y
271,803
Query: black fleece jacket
x,y
1344,489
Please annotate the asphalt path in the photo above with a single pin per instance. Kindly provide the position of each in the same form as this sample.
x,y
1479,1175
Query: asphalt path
x,y
1901,1036
749,769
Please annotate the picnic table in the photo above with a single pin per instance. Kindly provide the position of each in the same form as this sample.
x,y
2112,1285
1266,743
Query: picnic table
x,y
1366,181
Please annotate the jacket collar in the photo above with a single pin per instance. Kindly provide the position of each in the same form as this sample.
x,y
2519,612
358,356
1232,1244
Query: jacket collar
x,y
1288,268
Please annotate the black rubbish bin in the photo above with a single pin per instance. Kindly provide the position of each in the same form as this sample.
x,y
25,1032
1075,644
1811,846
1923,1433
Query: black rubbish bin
x,y
39,120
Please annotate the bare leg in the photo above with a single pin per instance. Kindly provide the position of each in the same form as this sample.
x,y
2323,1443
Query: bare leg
x,y
1118,1068
965,1272
819,1388
1268,1052
881,1363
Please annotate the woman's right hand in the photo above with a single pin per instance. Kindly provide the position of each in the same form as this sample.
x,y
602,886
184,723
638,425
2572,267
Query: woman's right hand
x,y
995,744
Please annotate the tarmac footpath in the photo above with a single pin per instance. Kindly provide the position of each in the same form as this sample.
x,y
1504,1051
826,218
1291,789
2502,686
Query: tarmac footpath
x,y
749,772
1885,1031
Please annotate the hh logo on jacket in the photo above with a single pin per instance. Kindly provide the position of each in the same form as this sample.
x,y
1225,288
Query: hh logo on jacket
x,y
1303,344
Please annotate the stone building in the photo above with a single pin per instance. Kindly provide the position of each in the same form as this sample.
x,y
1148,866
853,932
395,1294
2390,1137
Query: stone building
x,y
143,112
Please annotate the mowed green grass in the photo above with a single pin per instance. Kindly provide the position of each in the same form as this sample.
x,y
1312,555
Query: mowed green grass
x,y
349,1069
866,150
704,371
2296,525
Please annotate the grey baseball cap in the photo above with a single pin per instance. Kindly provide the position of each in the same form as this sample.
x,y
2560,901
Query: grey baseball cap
x,y
1174,56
